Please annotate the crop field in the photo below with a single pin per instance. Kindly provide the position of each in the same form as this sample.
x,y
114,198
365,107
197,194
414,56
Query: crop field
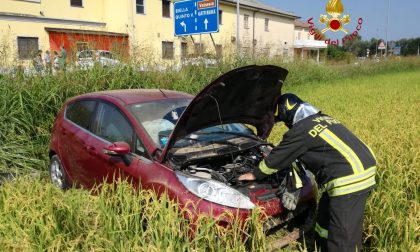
x,y
379,102
383,111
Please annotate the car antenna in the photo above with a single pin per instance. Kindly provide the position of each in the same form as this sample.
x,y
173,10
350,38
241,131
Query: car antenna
x,y
220,117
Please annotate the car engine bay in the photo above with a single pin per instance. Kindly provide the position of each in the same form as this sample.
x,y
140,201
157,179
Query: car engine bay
x,y
228,165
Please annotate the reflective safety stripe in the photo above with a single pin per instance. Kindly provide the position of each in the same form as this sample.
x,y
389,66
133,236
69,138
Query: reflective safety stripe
x,y
343,148
321,231
298,181
265,169
338,191
351,179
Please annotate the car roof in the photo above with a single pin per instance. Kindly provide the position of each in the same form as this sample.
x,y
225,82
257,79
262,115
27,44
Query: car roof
x,y
132,96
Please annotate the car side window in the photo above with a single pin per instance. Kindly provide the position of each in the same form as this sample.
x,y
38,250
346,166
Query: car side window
x,y
81,113
141,149
112,125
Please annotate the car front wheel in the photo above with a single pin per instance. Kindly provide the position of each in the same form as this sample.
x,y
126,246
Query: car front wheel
x,y
58,174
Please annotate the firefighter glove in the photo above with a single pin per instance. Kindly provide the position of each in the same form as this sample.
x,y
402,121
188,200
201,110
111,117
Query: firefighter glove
x,y
289,200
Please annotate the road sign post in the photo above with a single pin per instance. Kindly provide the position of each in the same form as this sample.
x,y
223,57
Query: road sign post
x,y
196,17
397,50
382,47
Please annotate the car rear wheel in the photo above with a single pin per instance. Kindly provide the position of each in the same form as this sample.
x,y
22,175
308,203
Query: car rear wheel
x,y
58,174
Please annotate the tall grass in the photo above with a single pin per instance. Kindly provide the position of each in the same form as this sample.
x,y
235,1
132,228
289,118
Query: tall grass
x,y
28,105
116,218
378,101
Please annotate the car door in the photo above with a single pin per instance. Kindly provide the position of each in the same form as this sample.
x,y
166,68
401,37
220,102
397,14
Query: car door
x,y
73,136
111,125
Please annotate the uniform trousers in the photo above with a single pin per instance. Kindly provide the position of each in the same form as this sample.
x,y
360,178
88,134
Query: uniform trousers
x,y
339,223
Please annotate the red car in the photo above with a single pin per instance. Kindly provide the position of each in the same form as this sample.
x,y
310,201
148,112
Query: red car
x,y
194,148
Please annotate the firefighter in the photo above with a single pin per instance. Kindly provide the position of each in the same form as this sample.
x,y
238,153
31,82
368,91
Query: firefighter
x,y
344,168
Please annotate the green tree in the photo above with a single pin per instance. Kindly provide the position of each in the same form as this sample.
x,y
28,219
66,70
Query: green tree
x,y
373,46
356,46
409,46
336,52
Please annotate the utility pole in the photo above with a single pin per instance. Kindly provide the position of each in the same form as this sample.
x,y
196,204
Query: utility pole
x,y
387,25
377,42
237,29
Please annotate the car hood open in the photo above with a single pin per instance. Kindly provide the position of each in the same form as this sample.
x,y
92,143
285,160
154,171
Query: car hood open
x,y
244,95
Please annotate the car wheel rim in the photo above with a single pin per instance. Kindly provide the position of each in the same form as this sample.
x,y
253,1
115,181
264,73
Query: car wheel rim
x,y
56,174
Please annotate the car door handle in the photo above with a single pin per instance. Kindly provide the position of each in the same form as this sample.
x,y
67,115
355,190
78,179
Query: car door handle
x,y
63,131
92,150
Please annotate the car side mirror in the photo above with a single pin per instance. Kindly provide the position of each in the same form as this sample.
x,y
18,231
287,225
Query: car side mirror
x,y
121,149
117,149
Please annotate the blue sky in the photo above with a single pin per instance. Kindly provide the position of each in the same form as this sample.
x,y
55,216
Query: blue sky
x,y
404,21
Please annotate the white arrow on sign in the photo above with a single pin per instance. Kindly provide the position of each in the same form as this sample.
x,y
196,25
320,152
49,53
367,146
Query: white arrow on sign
x,y
205,23
183,24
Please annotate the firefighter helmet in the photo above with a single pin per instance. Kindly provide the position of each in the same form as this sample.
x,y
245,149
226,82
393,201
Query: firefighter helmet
x,y
291,109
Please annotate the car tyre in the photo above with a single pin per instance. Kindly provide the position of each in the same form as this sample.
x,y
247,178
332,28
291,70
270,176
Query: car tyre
x,y
57,173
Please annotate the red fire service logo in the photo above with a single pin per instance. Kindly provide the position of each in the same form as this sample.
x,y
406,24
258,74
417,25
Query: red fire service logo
x,y
335,21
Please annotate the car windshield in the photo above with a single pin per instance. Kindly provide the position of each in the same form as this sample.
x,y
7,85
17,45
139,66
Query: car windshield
x,y
159,118
85,54
105,54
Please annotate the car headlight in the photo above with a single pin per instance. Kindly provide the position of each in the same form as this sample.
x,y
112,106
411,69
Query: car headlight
x,y
215,191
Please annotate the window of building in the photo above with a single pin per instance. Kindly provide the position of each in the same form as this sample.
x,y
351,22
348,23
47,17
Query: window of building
x,y
309,36
166,8
81,113
266,23
184,50
76,3
82,46
27,47
167,50
299,35
246,21
220,17
140,6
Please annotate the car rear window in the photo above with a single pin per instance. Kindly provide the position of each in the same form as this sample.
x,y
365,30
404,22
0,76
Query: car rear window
x,y
81,112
